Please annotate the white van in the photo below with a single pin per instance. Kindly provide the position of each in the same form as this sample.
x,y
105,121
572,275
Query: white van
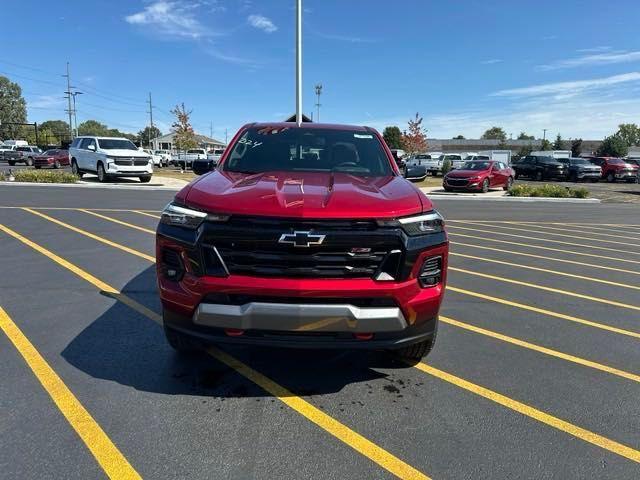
x,y
503,156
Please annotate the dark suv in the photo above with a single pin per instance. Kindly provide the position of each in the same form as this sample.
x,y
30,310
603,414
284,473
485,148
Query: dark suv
x,y
581,169
540,168
303,236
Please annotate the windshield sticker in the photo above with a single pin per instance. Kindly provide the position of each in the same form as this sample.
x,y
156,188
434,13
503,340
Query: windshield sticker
x,y
359,135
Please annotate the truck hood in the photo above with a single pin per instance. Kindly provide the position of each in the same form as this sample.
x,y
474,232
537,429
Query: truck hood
x,y
126,153
305,195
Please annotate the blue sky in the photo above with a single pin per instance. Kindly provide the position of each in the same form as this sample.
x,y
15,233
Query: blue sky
x,y
571,67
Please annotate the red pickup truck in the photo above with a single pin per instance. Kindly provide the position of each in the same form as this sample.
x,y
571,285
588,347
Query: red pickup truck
x,y
303,236
614,169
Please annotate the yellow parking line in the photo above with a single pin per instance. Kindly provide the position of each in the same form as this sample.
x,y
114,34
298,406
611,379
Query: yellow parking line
x,y
541,247
112,461
531,412
540,349
332,426
119,222
543,311
570,229
546,270
92,236
145,213
543,257
547,289
547,240
123,210
580,237
552,223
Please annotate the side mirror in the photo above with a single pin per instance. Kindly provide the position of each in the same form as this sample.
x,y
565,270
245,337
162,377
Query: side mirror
x,y
200,167
91,147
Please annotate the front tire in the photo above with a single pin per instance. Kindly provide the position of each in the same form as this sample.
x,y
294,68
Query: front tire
x,y
573,177
37,167
508,185
539,176
56,164
179,341
29,161
102,175
145,178
417,351
11,163
74,169
611,178
485,185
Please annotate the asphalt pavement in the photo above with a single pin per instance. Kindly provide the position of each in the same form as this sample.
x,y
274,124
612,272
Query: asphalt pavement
x,y
535,372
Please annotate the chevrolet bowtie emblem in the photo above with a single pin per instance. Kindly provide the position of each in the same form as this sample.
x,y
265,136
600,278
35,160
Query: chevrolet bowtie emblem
x,y
301,239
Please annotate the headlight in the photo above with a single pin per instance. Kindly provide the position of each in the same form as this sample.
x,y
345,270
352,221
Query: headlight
x,y
185,217
431,222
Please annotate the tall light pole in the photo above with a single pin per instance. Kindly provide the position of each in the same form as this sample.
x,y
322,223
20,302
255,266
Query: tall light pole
x,y
72,94
299,62
69,100
318,93
544,134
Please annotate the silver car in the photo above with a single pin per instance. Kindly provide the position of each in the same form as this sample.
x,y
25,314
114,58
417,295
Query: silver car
x,y
432,163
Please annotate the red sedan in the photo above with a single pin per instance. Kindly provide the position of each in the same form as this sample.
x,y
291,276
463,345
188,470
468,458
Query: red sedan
x,y
479,175
52,158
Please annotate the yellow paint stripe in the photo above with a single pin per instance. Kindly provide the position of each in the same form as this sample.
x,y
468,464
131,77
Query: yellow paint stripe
x,y
543,311
534,413
580,237
123,210
145,213
547,240
119,222
112,461
340,431
546,270
552,223
91,235
570,229
541,247
543,257
324,421
546,289
540,349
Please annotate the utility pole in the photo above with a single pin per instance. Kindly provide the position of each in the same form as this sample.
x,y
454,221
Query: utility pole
x,y
318,93
210,129
544,134
299,62
150,112
226,139
68,92
75,118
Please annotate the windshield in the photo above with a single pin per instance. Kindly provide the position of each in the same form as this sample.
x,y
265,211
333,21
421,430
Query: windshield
x,y
195,151
476,165
51,152
576,161
264,149
616,161
423,157
116,144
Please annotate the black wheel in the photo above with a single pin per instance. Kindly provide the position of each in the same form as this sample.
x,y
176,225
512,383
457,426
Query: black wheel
x,y
539,176
56,164
179,341
485,185
145,178
448,189
632,180
29,161
573,177
418,351
595,180
509,184
11,163
516,175
37,167
102,175
611,178
74,168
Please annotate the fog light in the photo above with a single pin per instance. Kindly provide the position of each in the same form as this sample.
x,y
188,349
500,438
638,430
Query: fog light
x,y
431,272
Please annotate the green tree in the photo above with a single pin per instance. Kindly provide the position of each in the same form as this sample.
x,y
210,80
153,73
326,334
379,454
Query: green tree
x,y
93,127
613,146
630,133
576,147
415,140
495,133
393,137
546,145
558,144
147,134
13,108
524,136
524,151
185,137
459,137
59,128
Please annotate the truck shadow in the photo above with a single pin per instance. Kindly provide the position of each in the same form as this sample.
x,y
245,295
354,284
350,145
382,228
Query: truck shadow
x,y
127,347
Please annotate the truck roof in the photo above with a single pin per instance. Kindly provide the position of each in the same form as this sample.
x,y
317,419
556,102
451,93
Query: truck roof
x,y
331,126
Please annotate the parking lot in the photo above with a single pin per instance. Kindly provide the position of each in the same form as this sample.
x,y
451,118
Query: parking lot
x,y
535,373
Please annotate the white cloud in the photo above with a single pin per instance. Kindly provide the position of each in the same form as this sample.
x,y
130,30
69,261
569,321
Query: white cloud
x,y
170,19
262,23
491,61
46,101
567,88
599,49
607,58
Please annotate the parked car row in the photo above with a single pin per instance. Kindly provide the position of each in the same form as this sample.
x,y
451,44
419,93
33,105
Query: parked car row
x,y
545,167
479,175
420,165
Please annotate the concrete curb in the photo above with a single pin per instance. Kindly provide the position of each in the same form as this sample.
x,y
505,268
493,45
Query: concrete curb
x,y
91,185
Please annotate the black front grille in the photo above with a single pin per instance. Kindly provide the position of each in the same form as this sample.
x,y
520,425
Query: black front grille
x,y
457,182
350,248
129,162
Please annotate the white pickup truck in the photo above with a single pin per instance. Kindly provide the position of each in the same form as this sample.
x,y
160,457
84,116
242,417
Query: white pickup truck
x,y
185,159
